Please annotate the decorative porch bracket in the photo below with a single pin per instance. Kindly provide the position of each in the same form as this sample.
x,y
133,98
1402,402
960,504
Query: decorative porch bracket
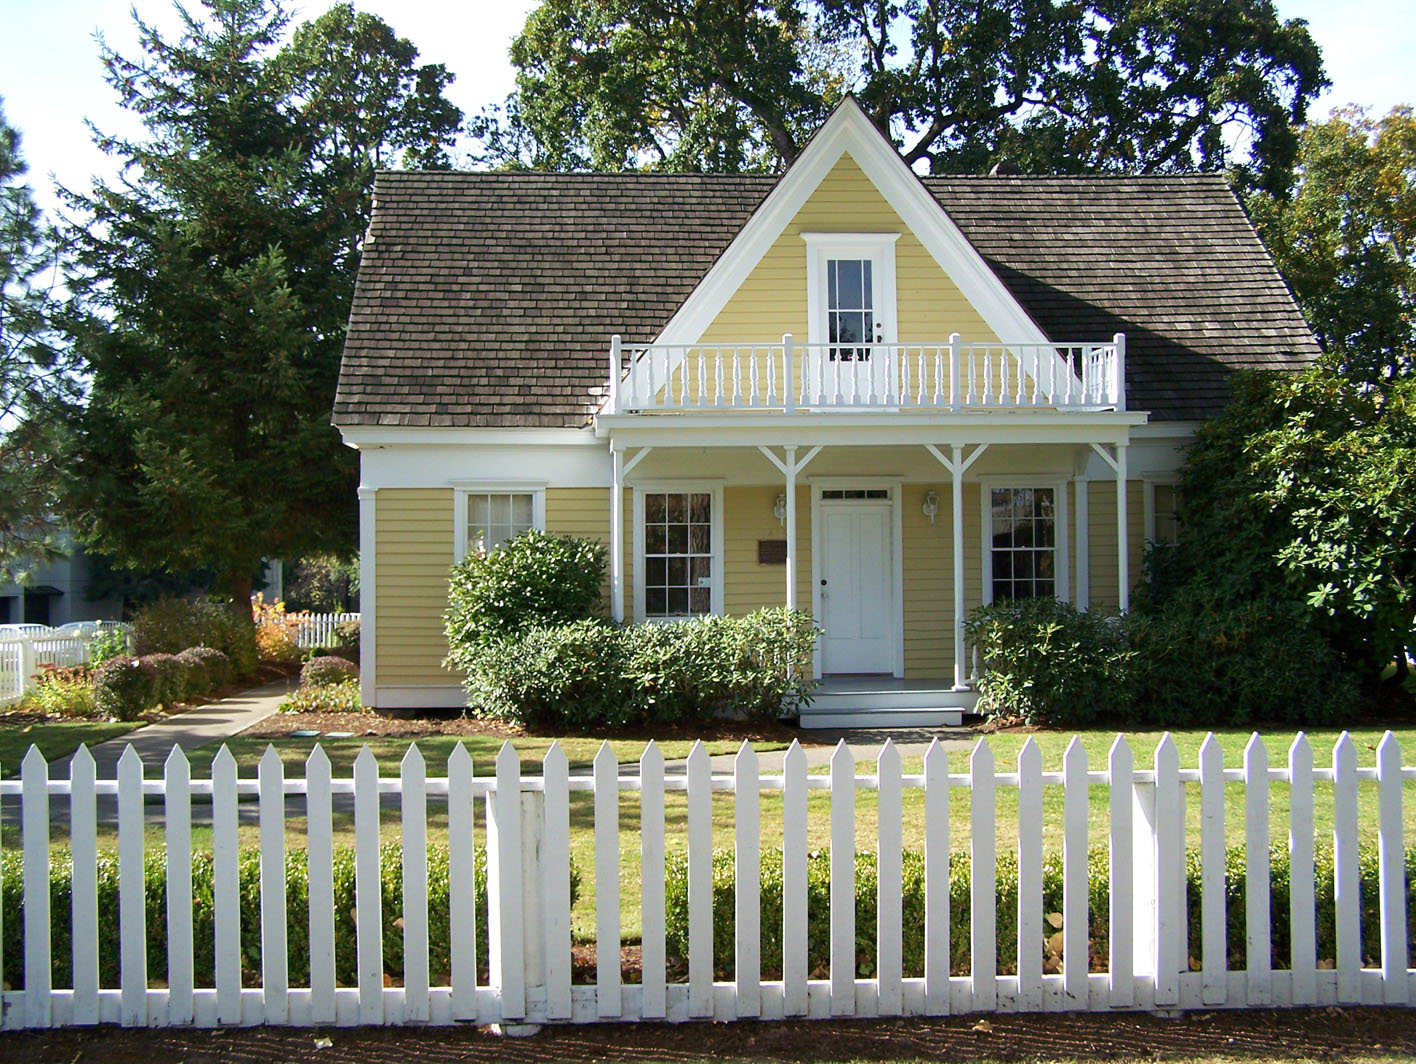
x,y
1123,548
620,470
789,469
957,466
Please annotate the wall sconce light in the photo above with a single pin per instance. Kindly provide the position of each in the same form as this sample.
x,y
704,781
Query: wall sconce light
x,y
931,505
779,508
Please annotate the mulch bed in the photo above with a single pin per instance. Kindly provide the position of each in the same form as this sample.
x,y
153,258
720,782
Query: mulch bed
x,y
1308,1034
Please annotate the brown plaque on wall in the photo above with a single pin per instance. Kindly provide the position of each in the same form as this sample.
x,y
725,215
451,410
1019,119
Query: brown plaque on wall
x,y
771,552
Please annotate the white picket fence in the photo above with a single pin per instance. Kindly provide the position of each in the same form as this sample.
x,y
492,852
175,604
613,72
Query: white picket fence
x,y
22,656
527,823
317,630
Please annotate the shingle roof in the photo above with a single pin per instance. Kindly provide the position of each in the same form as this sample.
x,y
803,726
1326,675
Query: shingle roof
x,y
489,299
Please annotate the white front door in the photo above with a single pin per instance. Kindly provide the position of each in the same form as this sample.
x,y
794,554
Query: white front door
x,y
856,590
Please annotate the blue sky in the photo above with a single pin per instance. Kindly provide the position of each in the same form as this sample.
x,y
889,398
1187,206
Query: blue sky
x,y
51,81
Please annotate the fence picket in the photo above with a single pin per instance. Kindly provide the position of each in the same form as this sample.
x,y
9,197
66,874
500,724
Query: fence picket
x,y
275,972
607,884
368,902
843,928
936,881
1303,951
34,827
983,880
319,854
555,885
794,857
506,950
461,871
1170,947
1391,856
132,903
413,798
1257,934
889,927
1120,765
1346,889
651,885
226,903
747,883
1029,875
1213,916
700,882
177,809
83,878
1076,887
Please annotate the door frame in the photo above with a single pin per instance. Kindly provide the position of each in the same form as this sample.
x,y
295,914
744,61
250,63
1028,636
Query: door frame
x,y
893,484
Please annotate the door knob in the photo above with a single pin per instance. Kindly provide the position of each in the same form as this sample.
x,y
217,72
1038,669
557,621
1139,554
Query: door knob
x,y
823,583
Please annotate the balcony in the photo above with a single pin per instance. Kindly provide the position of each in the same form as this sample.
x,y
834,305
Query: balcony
x,y
788,377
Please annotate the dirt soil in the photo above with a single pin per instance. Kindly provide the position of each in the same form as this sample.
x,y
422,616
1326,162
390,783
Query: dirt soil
x,y
403,727
1307,1034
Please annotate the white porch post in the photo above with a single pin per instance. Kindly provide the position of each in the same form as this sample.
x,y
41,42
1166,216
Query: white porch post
x,y
617,535
956,471
1123,549
1082,594
791,521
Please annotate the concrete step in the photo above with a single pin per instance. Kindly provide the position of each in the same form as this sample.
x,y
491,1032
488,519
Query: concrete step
x,y
916,717
886,704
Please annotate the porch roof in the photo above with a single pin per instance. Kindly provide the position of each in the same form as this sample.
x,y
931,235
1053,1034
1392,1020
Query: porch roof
x,y
488,299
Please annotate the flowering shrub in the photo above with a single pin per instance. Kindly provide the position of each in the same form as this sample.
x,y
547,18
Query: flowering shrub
x,y
342,697
275,630
63,692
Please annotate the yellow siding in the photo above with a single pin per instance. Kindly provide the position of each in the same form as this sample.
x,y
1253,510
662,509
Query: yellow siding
x,y
585,512
772,300
929,583
1101,523
748,518
413,553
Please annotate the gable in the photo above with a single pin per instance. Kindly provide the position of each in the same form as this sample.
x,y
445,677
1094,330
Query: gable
x,y
772,300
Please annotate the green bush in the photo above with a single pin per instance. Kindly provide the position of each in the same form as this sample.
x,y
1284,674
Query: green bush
x,y
534,580
216,665
342,697
346,641
170,625
325,670
62,692
589,674
108,643
196,675
124,687
1006,895
1049,663
171,677
204,917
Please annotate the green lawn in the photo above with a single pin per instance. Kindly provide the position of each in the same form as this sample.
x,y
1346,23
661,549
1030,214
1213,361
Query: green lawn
x,y
56,739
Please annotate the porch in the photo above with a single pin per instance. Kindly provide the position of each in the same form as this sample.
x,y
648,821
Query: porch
x,y
887,702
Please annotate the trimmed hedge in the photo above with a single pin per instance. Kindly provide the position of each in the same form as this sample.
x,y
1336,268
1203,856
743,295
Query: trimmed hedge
x,y
819,907
318,671
203,915
124,686
207,668
172,677
170,625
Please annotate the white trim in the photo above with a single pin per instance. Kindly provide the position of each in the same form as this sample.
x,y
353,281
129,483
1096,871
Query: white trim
x,y
894,484
1061,547
1163,429
360,436
368,577
461,489
879,248
420,696
714,488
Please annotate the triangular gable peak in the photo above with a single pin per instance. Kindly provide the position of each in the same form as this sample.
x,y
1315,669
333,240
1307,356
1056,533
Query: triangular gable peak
x,y
848,132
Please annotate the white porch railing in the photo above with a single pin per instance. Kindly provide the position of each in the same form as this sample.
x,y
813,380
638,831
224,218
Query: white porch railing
x,y
1168,939
940,376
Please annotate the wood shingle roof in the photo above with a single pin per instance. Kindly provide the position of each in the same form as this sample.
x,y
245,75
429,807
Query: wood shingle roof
x,y
489,299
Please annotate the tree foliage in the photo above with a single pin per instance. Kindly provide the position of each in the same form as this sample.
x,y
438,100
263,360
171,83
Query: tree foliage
x,y
1044,87
1345,237
213,281
34,373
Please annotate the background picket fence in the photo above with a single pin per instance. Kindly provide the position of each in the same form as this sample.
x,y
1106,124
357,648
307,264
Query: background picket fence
x,y
22,656
527,824
316,630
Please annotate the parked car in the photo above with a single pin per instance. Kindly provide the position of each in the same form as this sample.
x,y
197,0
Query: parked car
x,y
78,630
31,630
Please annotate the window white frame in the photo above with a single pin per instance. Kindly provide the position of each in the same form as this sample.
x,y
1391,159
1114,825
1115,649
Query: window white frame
x,y
1061,522
879,248
678,487
1148,484
463,489
897,565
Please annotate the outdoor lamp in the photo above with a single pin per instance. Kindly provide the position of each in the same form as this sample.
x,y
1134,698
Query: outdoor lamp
x,y
931,505
779,508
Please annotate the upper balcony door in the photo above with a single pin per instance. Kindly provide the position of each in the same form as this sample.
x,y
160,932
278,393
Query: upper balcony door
x,y
850,310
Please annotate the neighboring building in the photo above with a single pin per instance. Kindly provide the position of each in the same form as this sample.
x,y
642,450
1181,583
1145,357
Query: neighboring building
x,y
57,592
881,398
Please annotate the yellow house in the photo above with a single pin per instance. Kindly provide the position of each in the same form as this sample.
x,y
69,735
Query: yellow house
x,y
882,398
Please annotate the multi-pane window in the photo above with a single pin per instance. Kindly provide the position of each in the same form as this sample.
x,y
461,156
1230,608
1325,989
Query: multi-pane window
x,y
1024,543
678,554
1167,521
850,307
493,518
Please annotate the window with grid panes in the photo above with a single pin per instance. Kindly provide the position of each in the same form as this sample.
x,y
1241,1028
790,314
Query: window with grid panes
x,y
493,518
1024,549
1167,522
678,554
